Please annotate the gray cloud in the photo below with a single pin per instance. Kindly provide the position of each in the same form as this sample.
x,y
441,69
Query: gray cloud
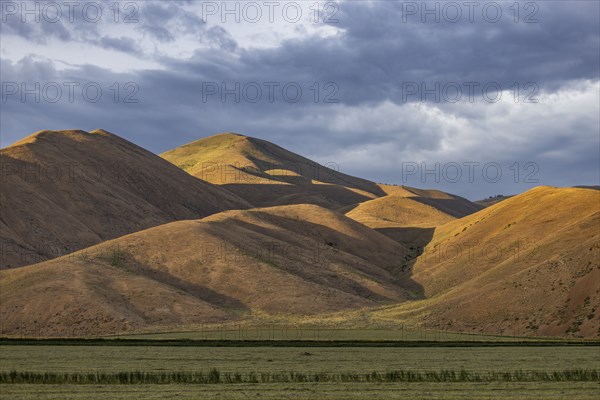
x,y
124,44
166,21
36,32
371,130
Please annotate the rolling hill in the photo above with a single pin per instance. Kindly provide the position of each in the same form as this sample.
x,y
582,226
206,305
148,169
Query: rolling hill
x,y
528,265
66,190
267,175
509,269
110,237
292,260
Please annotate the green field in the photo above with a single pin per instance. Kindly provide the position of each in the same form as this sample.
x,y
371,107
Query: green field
x,y
368,365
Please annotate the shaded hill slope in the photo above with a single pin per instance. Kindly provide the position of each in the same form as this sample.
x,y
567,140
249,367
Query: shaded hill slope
x,y
66,190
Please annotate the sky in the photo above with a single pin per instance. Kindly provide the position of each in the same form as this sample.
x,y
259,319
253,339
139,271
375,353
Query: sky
x,y
476,98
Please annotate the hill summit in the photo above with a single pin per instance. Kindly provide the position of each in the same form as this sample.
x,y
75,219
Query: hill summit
x,y
266,174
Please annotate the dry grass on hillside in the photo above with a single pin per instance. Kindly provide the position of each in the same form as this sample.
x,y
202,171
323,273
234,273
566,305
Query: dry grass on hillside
x,y
66,190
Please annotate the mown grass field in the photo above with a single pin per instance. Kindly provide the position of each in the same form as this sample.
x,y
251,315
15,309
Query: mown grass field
x,y
326,391
340,372
308,333
282,359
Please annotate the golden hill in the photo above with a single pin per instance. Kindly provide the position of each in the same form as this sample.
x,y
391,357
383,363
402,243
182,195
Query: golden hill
x,y
447,203
409,215
66,190
294,260
395,211
492,200
527,265
143,244
266,174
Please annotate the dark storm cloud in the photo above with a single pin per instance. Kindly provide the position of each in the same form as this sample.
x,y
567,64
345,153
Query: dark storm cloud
x,y
379,52
378,55
369,61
